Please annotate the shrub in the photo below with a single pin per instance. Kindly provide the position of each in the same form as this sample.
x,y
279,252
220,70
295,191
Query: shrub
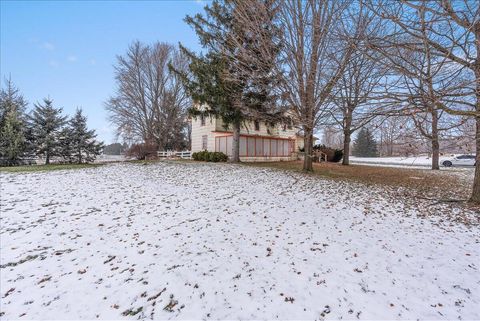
x,y
338,155
200,156
206,156
218,157
142,151
333,155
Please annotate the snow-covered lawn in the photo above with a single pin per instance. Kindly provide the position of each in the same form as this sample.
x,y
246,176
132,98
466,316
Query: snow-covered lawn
x,y
192,241
412,161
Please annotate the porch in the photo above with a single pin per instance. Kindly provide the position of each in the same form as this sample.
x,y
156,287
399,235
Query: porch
x,y
255,148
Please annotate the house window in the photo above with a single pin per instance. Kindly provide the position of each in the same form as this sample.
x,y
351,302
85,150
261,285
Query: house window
x,y
202,120
204,142
257,125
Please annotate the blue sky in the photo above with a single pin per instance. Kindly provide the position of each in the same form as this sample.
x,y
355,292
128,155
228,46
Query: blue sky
x,y
66,49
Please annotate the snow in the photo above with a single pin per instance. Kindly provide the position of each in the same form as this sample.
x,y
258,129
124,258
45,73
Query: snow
x,y
184,240
406,161
412,161
110,158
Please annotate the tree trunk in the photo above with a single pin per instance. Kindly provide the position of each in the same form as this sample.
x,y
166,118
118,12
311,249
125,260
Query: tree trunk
x,y
235,142
435,154
476,181
435,142
346,147
308,148
47,159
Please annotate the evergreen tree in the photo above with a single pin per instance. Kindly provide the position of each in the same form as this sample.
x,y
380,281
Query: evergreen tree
x,y
64,148
46,123
79,142
365,144
12,138
235,79
11,99
12,124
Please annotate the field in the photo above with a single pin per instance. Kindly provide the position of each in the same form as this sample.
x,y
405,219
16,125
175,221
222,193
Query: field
x,y
186,240
411,161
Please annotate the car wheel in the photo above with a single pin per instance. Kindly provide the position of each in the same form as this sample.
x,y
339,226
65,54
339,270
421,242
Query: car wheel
x,y
447,163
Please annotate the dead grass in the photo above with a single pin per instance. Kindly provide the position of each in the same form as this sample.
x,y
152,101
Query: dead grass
x,y
42,168
422,182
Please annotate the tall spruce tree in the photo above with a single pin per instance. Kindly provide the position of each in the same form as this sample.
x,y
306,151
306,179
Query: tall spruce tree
x,y
365,144
12,124
235,80
78,142
12,138
46,124
11,99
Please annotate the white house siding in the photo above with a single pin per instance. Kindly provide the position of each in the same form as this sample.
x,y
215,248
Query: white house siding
x,y
198,131
248,128
214,128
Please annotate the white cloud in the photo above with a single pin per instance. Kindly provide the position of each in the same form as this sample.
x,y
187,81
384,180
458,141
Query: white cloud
x,y
48,46
72,58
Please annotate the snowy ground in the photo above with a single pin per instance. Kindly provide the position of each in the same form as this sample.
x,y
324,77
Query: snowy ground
x,y
110,158
193,241
413,161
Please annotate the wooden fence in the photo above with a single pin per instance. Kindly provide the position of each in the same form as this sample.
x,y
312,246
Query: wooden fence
x,y
186,154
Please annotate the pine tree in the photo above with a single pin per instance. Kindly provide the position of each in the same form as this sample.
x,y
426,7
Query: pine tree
x,y
80,141
365,144
46,123
64,148
12,138
11,99
234,80
12,124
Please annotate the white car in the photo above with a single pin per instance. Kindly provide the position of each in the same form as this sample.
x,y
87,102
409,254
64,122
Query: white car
x,y
459,160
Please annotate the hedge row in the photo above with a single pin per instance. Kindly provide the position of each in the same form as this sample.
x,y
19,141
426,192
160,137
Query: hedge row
x,y
210,156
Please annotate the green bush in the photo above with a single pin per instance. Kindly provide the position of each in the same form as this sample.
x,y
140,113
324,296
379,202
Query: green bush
x,y
218,157
338,155
206,156
200,156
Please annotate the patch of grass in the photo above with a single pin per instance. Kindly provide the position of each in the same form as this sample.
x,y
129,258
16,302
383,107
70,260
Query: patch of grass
x,y
421,181
143,161
154,161
41,168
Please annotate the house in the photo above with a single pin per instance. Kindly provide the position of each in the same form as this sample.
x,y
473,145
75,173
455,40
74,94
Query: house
x,y
258,140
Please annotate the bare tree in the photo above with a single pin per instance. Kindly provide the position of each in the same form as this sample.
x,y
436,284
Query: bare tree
x,y
423,79
355,94
391,133
332,137
451,32
316,53
150,104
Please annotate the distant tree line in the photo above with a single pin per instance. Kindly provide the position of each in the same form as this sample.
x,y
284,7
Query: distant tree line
x,y
43,132
115,149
